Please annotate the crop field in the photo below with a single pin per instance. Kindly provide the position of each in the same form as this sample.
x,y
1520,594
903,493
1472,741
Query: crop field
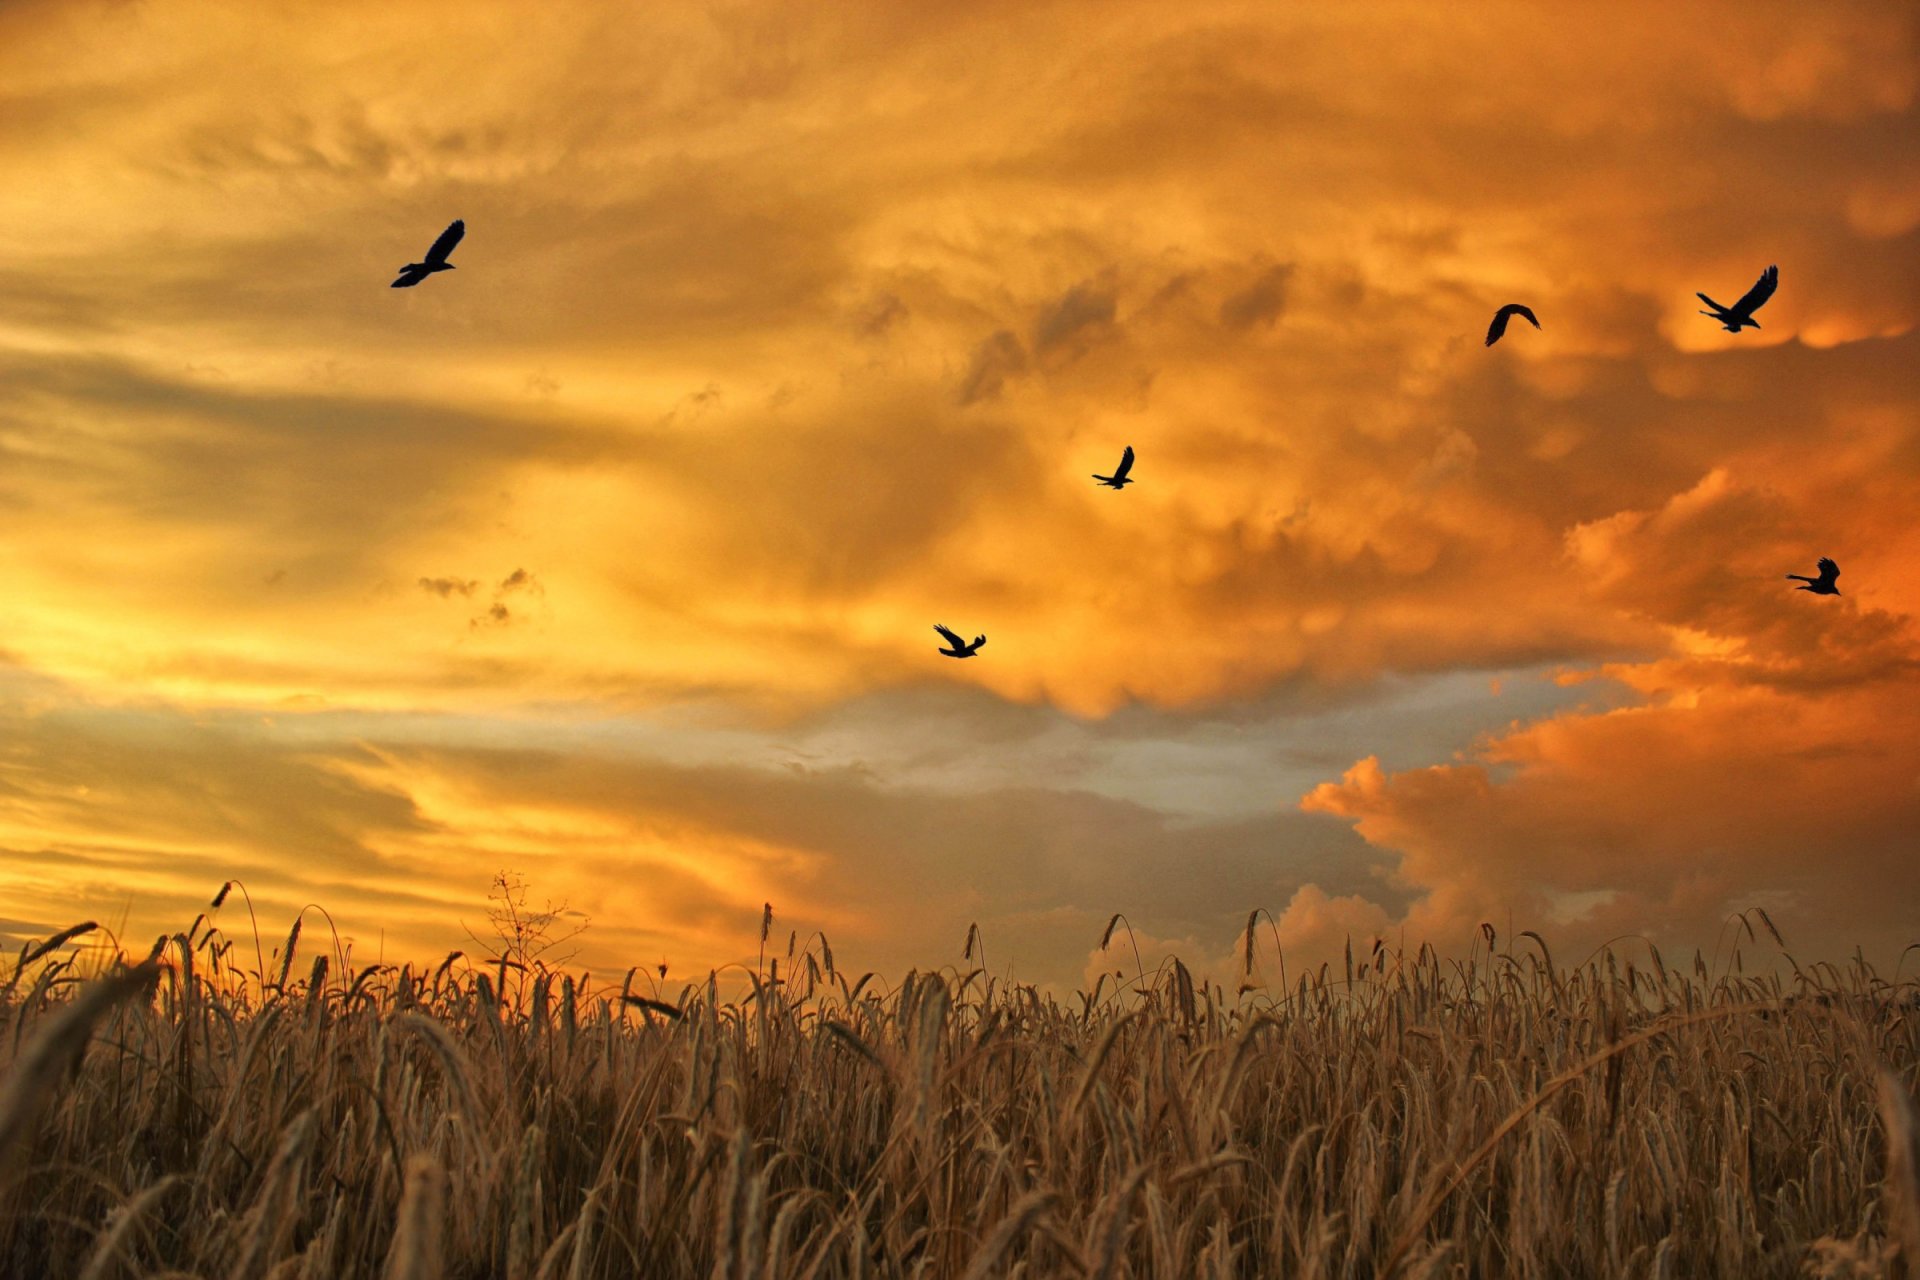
x,y
220,1109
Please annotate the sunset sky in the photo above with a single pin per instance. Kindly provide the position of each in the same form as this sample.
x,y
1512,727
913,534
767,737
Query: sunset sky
x,y
782,331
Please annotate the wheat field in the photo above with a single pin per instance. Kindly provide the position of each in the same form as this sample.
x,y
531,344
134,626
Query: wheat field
x,y
194,1114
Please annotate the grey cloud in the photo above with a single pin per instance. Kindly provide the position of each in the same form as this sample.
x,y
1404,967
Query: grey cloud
x,y
445,587
997,358
1069,320
1261,302
296,472
520,580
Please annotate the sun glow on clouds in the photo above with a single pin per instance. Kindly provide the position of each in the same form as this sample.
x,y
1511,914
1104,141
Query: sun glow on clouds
x,y
782,332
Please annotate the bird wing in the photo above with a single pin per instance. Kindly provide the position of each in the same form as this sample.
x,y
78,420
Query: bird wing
x,y
1504,314
1828,571
448,238
1126,464
1762,290
978,641
409,277
952,639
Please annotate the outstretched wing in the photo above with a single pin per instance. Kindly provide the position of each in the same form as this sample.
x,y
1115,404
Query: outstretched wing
x,y
448,238
409,277
1499,326
951,638
1829,571
1762,290
1126,464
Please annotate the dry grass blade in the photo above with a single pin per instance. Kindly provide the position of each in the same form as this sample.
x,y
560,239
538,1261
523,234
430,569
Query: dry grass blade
x,y
1903,1171
1018,1220
1100,1053
271,1218
1423,1211
55,1045
120,1224
417,1252
1158,1126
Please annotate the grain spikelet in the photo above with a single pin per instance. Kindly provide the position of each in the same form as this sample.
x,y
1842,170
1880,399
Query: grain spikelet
x,y
271,1217
416,1253
849,1037
57,941
56,1044
452,1061
526,1200
286,956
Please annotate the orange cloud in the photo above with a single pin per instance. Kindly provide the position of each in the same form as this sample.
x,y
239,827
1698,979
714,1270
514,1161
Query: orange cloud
x,y
780,334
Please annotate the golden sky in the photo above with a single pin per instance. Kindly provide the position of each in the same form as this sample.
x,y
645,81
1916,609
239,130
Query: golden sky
x,y
782,331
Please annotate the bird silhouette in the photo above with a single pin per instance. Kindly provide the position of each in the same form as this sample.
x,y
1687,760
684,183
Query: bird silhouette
x,y
1740,314
955,648
1504,314
1118,480
1822,585
414,272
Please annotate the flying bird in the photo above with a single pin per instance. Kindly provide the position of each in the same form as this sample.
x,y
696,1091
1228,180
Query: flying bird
x,y
1741,313
1118,480
1505,314
1822,585
955,648
414,272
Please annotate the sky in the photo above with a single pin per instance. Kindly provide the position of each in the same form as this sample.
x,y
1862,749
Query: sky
x,y
782,331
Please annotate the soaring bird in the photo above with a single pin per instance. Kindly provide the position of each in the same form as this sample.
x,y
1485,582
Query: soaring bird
x,y
1741,313
1118,480
414,272
955,649
1504,314
1822,585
